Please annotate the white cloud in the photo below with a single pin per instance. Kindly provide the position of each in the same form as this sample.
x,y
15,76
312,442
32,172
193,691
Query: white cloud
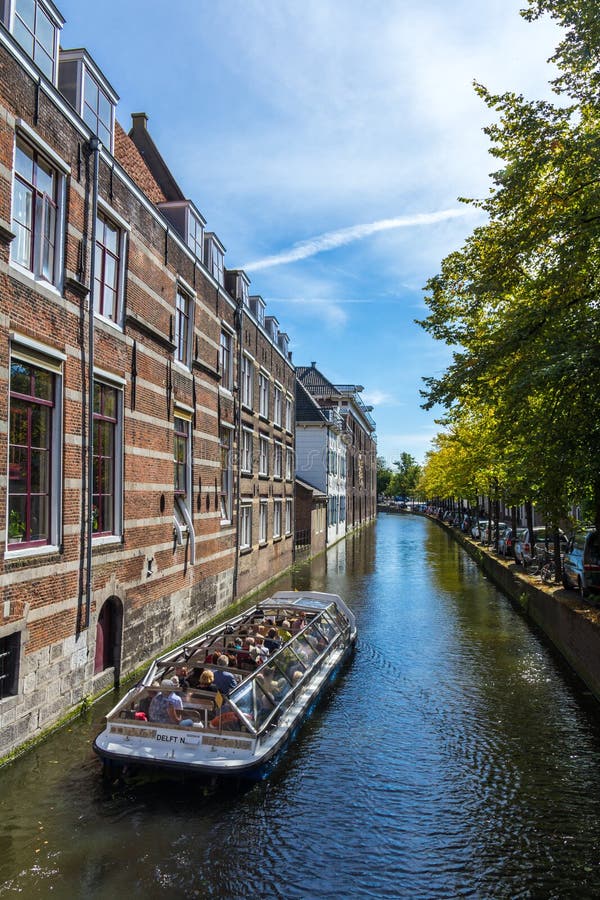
x,y
376,397
342,236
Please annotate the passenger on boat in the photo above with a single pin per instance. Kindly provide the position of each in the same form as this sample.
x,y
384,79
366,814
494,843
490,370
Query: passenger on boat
x,y
224,681
271,641
297,625
259,643
284,631
183,676
206,681
167,706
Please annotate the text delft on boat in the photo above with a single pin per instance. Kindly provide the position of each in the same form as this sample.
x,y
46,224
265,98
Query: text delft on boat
x,y
228,702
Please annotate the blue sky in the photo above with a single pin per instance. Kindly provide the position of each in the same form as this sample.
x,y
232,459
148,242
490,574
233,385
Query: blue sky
x,y
326,143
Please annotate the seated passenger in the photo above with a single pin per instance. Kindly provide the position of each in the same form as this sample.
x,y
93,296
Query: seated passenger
x,y
259,643
224,681
284,631
272,643
167,706
183,676
206,682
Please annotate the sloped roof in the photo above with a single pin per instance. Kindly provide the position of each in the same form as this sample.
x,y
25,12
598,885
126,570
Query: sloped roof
x,y
142,139
307,410
128,156
315,382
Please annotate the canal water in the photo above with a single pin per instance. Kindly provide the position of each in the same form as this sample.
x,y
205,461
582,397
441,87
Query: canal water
x,y
457,757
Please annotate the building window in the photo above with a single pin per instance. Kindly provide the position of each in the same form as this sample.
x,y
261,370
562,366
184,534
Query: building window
x,y
36,33
277,404
106,462
226,360
215,260
288,516
277,460
245,526
183,305
31,460
289,463
263,395
342,508
263,514
276,519
247,441
181,458
263,455
10,651
226,475
97,110
106,276
288,414
195,234
247,382
36,192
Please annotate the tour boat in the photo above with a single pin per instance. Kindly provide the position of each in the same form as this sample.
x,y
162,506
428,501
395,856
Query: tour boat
x,y
242,729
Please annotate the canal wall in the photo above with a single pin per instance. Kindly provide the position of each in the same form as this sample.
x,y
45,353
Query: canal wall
x,y
573,627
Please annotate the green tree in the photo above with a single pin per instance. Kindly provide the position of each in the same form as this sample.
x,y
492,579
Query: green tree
x,y
520,301
404,481
384,475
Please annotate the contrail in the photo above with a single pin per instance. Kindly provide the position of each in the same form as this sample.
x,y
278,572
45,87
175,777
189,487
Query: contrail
x,y
332,239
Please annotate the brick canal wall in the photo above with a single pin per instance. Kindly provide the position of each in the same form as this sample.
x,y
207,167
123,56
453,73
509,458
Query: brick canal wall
x,y
572,626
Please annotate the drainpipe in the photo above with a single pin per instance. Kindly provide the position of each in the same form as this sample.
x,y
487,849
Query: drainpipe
x,y
239,327
95,147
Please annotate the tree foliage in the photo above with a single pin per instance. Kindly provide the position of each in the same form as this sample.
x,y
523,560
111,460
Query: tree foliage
x,y
520,301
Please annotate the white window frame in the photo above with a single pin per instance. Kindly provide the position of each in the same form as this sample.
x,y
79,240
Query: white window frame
x,y
56,24
123,228
288,516
277,518
246,450
195,244
263,522
245,526
263,454
26,135
183,348
277,459
226,359
288,414
263,395
289,464
277,404
247,379
226,493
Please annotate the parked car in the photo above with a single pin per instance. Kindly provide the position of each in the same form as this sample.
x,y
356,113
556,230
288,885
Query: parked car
x,y
506,541
502,526
581,564
525,548
478,528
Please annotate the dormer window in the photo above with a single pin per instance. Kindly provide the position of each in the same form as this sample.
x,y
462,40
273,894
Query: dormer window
x,y
35,24
188,223
271,324
215,258
97,110
89,93
195,234
258,306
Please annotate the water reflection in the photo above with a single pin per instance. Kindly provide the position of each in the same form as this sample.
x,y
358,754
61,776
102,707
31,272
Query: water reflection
x,y
456,758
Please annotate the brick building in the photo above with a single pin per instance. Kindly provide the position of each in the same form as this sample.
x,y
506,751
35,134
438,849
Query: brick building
x,y
119,357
